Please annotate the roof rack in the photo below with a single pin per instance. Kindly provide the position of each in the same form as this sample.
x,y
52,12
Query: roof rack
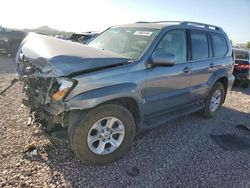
x,y
196,24
167,22
160,22
142,22
187,23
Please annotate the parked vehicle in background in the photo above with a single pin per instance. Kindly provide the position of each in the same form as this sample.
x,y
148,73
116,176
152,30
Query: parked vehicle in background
x,y
83,38
242,67
10,40
130,77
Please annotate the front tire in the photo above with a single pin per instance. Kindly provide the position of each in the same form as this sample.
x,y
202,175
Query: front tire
x,y
214,100
104,134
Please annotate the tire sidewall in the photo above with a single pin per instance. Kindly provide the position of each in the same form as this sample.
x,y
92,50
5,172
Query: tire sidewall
x,y
81,131
217,86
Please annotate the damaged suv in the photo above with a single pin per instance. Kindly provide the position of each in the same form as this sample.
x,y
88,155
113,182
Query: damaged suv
x,y
130,77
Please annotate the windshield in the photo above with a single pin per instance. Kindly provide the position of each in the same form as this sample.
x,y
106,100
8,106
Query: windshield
x,y
127,42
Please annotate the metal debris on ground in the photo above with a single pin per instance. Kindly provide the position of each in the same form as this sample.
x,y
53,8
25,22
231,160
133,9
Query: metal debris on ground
x,y
30,147
31,150
8,87
31,119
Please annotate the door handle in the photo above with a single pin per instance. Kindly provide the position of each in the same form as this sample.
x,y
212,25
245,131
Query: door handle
x,y
186,70
211,65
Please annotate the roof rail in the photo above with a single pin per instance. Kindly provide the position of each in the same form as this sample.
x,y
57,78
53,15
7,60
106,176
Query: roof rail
x,y
187,23
142,22
167,22
160,22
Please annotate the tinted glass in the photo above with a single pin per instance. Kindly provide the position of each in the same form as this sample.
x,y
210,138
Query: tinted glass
x,y
219,45
127,42
241,55
175,43
199,45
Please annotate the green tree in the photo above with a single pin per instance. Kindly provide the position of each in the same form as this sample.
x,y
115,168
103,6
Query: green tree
x,y
248,44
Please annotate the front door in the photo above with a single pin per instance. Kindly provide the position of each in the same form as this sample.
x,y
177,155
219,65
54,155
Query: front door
x,y
169,87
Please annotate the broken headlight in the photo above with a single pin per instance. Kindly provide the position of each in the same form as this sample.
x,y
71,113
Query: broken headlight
x,y
63,87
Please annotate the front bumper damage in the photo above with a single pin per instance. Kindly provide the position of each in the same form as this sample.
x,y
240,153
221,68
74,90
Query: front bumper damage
x,y
45,111
38,88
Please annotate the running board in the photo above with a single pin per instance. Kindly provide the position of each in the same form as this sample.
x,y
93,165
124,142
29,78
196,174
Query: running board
x,y
158,120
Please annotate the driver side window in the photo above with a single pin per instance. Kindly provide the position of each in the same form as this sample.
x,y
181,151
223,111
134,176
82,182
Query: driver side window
x,y
175,43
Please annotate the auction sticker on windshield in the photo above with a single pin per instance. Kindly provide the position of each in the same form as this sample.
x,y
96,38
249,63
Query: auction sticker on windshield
x,y
143,33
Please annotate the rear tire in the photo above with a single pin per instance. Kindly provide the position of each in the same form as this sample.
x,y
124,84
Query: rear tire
x,y
91,127
212,104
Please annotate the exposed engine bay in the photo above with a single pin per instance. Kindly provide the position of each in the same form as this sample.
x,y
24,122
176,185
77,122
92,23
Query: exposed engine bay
x,y
39,98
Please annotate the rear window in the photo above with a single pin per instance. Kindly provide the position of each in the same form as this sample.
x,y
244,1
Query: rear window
x,y
199,44
241,55
219,45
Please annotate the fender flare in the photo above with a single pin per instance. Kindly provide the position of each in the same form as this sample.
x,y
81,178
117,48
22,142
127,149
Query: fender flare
x,y
91,99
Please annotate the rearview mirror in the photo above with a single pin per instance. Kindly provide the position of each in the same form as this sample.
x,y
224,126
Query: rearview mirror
x,y
162,59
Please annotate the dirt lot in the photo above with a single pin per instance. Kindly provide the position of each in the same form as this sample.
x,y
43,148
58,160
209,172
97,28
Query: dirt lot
x,y
184,153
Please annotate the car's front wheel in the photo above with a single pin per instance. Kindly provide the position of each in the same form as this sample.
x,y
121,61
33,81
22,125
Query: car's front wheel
x,y
104,134
214,100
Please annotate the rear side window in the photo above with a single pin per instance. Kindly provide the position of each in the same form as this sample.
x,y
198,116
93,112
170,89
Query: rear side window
x,y
199,44
219,45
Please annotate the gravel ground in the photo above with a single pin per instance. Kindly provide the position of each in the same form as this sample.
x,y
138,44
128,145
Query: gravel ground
x,y
180,154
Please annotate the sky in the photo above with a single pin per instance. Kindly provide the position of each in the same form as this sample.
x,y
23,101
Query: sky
x,y
96,15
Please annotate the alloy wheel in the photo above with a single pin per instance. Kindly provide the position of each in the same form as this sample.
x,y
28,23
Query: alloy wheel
x,y
106,135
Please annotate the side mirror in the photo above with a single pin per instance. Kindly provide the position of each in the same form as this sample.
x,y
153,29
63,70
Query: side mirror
x,y
162,59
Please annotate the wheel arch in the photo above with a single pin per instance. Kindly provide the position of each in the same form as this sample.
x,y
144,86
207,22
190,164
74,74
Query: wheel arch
x,y
224,81
131,104
126,94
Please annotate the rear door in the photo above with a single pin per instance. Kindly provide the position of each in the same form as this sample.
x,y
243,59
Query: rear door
x,y
208,56
169,87
202,63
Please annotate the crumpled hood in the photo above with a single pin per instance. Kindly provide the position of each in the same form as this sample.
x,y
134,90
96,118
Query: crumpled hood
x,y
56,57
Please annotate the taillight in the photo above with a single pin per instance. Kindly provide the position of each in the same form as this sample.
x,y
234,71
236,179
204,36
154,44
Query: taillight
x,y
242,66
